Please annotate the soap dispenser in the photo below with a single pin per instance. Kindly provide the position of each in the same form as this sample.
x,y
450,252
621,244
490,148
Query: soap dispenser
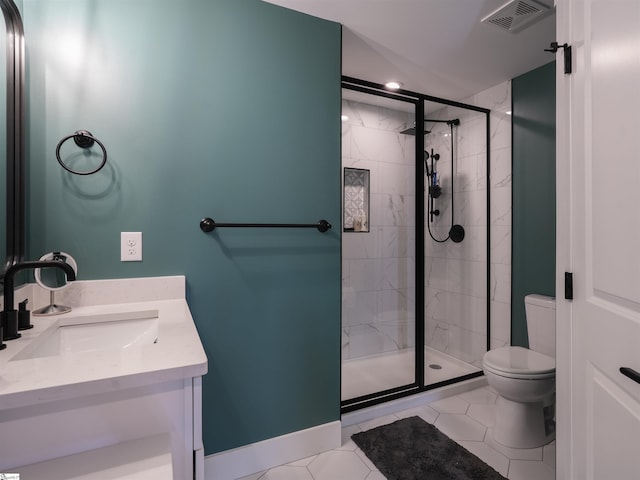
x,y
24,316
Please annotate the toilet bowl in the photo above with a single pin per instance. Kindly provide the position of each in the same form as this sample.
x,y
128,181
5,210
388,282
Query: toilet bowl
x,y
525,381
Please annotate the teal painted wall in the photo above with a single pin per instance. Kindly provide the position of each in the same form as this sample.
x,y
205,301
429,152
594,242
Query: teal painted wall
x,y
221,108
534,192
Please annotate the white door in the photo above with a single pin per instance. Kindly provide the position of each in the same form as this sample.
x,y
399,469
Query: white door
x,y
599,240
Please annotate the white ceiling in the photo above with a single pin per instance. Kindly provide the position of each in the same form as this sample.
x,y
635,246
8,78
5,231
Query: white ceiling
x,y
435,47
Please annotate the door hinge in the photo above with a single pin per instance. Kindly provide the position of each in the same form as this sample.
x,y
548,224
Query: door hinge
x,y
568,286
554,47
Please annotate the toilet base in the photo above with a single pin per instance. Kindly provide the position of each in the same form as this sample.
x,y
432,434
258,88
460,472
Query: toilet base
x,y
524,425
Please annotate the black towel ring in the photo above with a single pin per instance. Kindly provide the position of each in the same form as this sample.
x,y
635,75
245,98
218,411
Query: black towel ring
x,y
84,139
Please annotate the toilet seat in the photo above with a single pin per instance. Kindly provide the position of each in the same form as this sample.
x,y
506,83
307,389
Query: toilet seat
x,y
519,362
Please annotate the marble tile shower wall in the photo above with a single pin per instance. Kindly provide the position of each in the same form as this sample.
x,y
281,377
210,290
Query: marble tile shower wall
x,y
498,100
456,284
378,267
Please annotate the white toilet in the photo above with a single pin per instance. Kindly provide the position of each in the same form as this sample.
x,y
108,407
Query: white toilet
x,y
525,380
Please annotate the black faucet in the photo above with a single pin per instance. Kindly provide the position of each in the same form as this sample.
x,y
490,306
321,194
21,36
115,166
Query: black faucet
x,y
9,315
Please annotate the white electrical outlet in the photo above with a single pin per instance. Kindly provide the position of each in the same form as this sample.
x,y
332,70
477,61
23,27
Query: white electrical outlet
x,y
131,246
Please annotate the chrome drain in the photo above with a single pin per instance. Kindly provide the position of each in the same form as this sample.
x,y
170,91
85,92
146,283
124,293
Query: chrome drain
x,y
435,366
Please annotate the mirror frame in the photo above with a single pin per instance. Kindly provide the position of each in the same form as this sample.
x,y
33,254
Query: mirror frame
x,y
15,220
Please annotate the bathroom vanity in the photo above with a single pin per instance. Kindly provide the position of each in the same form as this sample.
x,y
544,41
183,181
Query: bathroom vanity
x,y
109,390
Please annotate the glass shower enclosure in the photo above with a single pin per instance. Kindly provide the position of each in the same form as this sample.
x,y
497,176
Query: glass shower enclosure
x,y
415,237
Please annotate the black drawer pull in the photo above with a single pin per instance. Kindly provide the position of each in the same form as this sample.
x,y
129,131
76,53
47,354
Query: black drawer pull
x,y
631,373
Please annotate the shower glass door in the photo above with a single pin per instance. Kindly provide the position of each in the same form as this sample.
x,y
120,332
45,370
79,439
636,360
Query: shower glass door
x,y
456,239
416,268
379,261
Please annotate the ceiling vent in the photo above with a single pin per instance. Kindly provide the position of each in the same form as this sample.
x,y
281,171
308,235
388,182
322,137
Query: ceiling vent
x,y
516,15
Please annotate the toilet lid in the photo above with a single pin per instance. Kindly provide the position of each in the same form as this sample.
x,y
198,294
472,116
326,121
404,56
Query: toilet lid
x,y
519,361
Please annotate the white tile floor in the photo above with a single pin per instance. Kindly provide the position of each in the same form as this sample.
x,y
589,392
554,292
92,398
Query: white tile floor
x,y
467,418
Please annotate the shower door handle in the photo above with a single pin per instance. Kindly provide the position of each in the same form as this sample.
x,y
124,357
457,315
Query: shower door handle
x,y
631,373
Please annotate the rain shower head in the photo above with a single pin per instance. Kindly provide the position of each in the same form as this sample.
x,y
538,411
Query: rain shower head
x,y
412,131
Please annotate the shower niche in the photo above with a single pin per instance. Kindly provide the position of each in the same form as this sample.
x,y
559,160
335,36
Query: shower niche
x,y
356,200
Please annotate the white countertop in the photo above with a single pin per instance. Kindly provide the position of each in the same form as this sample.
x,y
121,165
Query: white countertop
x,y
178,353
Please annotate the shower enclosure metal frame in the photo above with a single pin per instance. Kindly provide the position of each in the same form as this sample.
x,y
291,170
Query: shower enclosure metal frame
x,y
418,99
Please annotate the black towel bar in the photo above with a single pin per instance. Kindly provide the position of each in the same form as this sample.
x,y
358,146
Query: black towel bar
x,y
208,225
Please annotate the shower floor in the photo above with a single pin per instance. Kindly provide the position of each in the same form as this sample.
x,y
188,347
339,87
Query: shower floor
x,y
361,376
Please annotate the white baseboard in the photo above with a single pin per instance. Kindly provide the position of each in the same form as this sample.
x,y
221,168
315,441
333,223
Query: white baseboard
x,y
242,461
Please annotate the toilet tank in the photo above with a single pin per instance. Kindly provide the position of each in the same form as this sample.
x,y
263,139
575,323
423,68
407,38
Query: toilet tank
x,y
540,311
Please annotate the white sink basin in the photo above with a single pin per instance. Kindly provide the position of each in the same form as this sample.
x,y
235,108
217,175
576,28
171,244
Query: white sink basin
x,y
110,331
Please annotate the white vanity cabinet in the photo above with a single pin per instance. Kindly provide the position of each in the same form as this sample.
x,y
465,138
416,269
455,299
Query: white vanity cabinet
x,y
165,415
132,413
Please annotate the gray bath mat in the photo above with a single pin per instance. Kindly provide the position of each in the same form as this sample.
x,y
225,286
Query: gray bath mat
x,y
412,449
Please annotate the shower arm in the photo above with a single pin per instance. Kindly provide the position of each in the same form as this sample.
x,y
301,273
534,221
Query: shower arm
x,y
455,121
